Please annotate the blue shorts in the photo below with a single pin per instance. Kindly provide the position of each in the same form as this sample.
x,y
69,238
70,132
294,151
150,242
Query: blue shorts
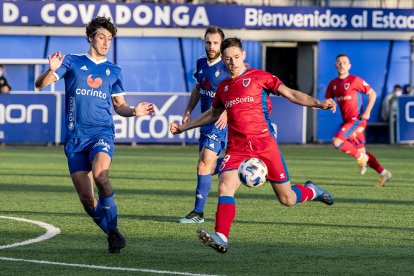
x,y
81,151
213,143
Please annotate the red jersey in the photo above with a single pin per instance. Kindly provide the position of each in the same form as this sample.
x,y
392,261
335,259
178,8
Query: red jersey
x,y
346,93
246,99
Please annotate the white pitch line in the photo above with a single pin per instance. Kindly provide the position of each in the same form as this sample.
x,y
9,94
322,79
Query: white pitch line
x,y
104,267
51,231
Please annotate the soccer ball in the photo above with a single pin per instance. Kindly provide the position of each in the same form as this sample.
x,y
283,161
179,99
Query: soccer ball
x,y
252,172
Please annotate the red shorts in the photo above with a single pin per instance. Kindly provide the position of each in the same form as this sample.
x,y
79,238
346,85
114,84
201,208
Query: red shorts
x,y
354,132
266,149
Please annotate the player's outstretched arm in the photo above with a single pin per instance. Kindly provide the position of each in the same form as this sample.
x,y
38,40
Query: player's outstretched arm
x,y
205,118
46,78
303,99
123,109
194,98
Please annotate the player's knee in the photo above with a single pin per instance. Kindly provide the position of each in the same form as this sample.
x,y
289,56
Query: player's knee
x,y
203,167
336,142
100,178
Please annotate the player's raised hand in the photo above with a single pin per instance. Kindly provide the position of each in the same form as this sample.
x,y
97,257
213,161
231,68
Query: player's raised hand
x,y
221,123
175,129
55,61
144,108
365,116
329,104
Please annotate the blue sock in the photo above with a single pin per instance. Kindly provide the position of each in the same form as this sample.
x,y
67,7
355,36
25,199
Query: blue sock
x,y
110,210
99,217
202,190
216,169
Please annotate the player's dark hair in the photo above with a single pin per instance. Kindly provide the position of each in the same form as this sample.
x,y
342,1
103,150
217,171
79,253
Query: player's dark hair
x,y
342,55
231,42
100,22
214,30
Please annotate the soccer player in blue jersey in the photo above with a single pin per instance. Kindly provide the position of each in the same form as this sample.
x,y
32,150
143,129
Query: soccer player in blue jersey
x,y
91,84
210,71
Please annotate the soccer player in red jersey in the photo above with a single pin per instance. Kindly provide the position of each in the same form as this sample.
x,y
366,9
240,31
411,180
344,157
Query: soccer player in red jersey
x,y
245,97
351,136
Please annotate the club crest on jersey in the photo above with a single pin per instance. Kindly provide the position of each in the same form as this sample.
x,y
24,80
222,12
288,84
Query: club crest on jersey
x,y
334,87
246,82
217,73
346,85
108,72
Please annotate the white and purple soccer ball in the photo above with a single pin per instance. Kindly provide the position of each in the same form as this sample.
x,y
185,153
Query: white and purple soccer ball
x,y
252,172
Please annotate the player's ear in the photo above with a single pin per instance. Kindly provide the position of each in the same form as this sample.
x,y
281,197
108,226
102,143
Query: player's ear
x,y
244,54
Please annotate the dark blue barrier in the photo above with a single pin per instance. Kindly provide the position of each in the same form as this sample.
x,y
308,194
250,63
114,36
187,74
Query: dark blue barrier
x,y
405,120
29,118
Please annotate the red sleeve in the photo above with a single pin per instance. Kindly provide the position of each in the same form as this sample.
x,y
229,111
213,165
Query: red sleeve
x,y
270,82
329,94
361,85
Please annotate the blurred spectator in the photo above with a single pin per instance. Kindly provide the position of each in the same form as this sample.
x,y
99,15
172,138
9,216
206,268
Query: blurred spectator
x,y
406,89
4,84
389,104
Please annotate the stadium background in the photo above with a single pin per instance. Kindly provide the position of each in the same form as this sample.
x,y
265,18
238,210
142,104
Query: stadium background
x,y
159,44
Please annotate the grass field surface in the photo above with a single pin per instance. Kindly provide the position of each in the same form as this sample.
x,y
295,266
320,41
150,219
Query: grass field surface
x,y
368,231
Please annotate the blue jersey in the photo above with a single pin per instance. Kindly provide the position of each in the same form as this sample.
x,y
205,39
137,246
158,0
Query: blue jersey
x,y
208,77
89,86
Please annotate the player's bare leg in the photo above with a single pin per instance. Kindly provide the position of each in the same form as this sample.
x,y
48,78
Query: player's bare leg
x,y
83,183
360,157
100,169
289,195
383,174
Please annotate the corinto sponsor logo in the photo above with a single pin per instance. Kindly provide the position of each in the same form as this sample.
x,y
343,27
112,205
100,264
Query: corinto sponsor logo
x,y
238,100
90,92
18,113
207,93
157,125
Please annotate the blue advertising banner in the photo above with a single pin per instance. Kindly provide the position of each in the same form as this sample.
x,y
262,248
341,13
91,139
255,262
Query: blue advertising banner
x,y
405,119
28,118
49,13
155,128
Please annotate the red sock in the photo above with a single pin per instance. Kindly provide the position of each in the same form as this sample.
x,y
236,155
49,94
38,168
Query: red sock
x,y
302,193
348,148
373,163
226,212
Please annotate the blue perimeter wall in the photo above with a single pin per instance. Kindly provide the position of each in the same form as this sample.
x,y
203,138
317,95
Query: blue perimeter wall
x,y
167,64
148,64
